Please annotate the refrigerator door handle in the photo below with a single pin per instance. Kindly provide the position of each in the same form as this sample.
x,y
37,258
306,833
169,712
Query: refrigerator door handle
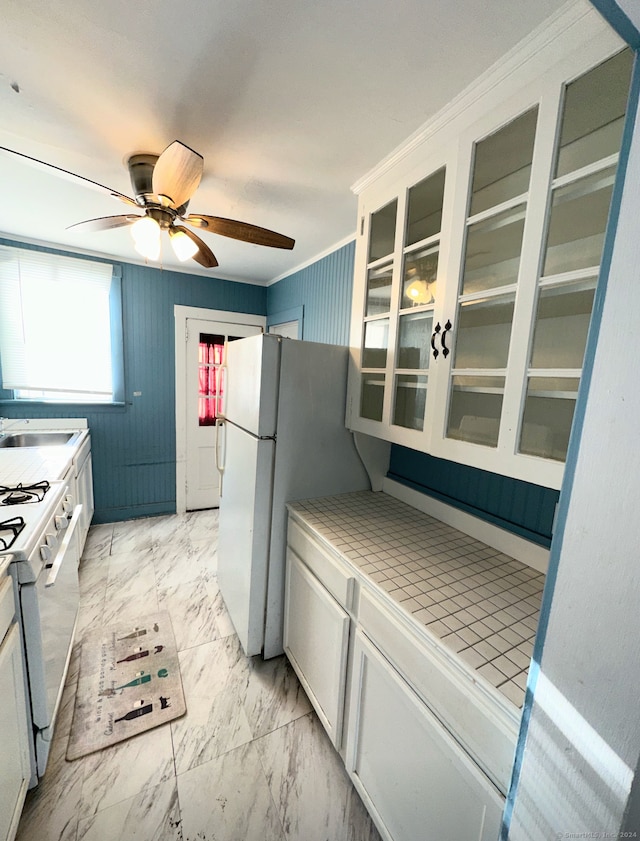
x,y
219,462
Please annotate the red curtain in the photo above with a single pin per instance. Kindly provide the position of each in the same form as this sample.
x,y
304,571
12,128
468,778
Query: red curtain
x,y
209,382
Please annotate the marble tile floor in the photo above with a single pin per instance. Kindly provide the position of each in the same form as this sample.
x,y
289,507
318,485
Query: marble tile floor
x,y
248,762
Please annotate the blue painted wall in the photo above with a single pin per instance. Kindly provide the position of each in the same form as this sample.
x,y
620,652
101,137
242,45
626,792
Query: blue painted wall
x,y
324,291
134,446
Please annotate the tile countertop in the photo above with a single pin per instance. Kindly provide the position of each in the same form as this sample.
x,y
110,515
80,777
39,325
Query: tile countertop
x,y
36,464
482,604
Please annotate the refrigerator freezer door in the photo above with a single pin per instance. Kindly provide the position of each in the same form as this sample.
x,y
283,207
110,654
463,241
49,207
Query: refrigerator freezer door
x,y
244,532
251,387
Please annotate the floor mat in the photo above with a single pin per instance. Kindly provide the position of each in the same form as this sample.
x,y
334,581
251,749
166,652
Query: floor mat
x,y
129,682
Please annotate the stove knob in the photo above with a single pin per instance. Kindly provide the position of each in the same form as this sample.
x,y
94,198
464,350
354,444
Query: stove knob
x,y
67,505
61,522
45,553
51,541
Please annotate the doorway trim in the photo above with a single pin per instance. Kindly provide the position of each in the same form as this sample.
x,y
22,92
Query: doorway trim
x,y
285,316
181,314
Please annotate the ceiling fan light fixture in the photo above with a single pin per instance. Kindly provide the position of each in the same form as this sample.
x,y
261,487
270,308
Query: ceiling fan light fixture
x,y
146,236
184,248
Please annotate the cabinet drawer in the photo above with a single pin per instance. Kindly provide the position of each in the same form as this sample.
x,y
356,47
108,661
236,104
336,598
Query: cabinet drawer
x,y
328,571
485,729
7,605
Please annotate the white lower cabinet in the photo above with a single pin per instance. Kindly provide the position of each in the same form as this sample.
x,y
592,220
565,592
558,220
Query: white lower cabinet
x,y
15,768
316,640
413,777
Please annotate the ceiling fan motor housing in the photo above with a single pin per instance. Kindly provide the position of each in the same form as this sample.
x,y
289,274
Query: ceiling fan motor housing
x,y
141,174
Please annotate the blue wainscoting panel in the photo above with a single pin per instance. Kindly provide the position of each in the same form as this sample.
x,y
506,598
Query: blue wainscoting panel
x,y
518,507
324,289
133,446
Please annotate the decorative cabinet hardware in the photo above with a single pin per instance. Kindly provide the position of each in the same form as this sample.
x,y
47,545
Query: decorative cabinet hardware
x,y
436,352
445,349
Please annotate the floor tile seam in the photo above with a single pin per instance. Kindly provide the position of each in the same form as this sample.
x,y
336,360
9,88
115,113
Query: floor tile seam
x,y
278,727
205,642
211,758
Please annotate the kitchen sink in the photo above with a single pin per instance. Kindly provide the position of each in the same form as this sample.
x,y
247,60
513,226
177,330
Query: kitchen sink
x,y
35,439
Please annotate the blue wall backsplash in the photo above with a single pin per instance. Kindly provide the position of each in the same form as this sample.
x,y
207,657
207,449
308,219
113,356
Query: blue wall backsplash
x,y
134,446
518,507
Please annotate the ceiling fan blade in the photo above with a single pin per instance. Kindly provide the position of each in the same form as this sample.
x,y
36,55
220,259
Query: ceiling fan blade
x,y
239,230
105,223
204,255
71,176
177,174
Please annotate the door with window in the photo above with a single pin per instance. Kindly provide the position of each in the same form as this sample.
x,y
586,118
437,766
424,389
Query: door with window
x,y
205,379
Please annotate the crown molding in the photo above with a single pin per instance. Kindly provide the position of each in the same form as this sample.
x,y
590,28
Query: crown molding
x,y
335,247
552,29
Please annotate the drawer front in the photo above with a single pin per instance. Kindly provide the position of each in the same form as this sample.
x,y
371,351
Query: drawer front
x,y
328,571
7,605
486,731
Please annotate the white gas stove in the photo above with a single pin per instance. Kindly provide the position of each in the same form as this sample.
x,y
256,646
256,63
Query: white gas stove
x,y
38,529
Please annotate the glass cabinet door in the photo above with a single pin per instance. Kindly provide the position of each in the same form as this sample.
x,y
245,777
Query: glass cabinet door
x,y
375,335
398,319
481,329
418,297
584,170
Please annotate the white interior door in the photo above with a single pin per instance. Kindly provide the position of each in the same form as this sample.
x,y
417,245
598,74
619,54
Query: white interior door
x,y
205,383
288,329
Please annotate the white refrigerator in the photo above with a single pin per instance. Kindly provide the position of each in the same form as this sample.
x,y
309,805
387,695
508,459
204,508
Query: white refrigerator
x,y
282,437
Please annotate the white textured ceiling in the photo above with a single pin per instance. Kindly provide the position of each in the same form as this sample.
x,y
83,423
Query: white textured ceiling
x,y
289,102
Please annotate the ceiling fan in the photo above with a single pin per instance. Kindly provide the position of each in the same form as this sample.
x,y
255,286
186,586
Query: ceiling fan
x,y
163,186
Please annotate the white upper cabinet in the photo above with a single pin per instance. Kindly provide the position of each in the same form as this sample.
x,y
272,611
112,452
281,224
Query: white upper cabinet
x,y
477,258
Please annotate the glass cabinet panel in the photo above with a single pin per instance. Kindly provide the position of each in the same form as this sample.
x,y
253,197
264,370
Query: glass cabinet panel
x,y
475,409
548,415
383,231
483,333
376,342
502,165
414,336
419,277
492,254
379,290
579,213
593,114
424,212
410,400
371,396
561,325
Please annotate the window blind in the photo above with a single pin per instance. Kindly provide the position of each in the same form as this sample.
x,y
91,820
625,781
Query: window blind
x,y
55,329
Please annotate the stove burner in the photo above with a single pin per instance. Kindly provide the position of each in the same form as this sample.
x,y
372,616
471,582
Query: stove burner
x,y
9,531
23,494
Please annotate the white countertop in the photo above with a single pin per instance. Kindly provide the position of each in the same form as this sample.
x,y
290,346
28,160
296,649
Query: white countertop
x,y
35,464
481,604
